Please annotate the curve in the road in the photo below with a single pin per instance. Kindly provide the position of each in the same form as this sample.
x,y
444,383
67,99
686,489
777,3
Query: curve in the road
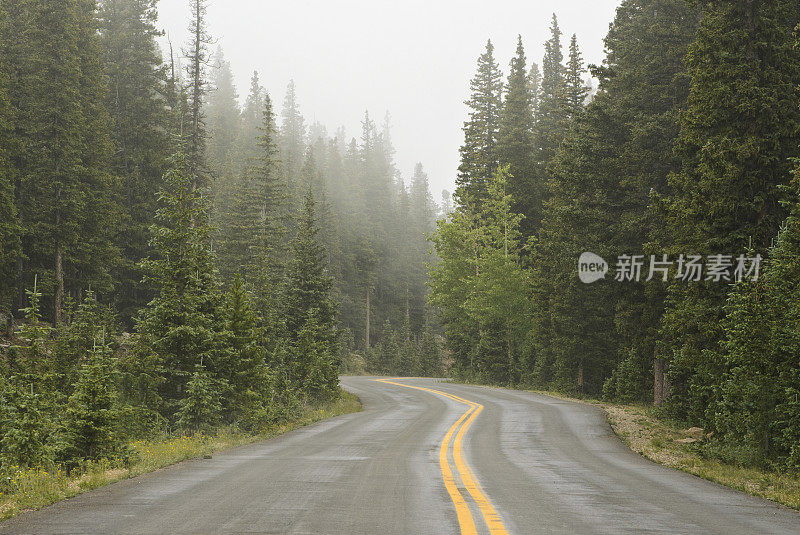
x,y
465,520
547,465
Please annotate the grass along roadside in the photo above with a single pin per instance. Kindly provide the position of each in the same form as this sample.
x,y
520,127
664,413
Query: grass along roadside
x,y
34,488
678,448
666,443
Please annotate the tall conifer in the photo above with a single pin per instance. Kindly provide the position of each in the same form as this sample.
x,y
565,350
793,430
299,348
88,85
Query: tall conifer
x,y
9,224
737,134
479,158
515,143
180,328
195,131
139,132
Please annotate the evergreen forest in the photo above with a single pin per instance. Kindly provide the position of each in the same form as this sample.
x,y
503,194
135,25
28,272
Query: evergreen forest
x,y
175,259
178,254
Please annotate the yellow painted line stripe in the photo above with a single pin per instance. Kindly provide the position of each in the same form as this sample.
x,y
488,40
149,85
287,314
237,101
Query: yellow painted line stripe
x,y
463,513
490,515
465,521
493,520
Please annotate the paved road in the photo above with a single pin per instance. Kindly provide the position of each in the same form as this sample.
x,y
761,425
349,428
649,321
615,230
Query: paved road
x,y
428,457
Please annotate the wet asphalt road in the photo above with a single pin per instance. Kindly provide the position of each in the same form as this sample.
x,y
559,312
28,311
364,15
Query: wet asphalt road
x,y
543,465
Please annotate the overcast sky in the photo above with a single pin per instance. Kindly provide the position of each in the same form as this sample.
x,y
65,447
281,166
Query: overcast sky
x,y
412,58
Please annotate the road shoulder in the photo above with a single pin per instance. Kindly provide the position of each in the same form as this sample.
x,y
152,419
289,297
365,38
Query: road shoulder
x,y
31,489
668,444
679,448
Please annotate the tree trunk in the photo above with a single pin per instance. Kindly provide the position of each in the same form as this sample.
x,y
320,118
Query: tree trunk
x,y
20,266
59,274
408,318
510,354
660,382
366,336
580,377
58,298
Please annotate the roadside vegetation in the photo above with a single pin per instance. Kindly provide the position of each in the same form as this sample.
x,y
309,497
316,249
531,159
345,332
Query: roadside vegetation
x,y
688,148
180,270
175,261
23,489
692,450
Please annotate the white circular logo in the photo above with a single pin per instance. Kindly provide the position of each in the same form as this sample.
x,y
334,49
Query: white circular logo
x,y
591,268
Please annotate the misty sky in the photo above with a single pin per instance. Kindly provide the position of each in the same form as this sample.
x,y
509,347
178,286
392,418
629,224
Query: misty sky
x,y
413,58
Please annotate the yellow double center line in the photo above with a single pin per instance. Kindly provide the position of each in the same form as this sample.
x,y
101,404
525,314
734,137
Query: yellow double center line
x,y
465,521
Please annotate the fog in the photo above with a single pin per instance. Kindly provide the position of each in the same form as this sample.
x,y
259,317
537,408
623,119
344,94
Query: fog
x,y
411,58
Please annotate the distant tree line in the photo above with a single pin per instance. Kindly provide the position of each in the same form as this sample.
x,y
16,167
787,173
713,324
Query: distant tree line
x,y
169,260
373,222
688,146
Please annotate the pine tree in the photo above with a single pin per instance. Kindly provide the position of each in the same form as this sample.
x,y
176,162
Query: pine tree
x,y
64,194
140,122
376,178
25,423
388,351
91,424
292,139
244,370
575,91
310,176
247,149
26,393
617,154
315,366
308,285
409,364
755,417
338,182
515,143
479,158
271,251
422,207
176,99
309,307
200,409
447,202
30,358
223,124
197,56
240,235
535,83
9,224
422,212
430,355
180,328
736,136
647,85
551,120
77,336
